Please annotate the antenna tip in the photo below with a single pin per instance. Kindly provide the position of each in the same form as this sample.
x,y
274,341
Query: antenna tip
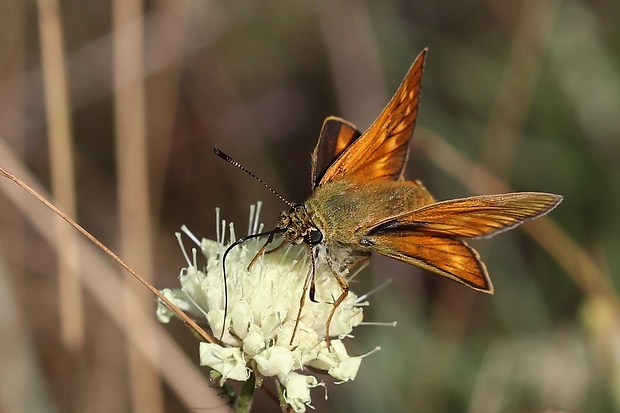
x,y
221,154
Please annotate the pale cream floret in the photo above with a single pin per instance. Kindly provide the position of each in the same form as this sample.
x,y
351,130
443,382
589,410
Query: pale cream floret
x,y
262,309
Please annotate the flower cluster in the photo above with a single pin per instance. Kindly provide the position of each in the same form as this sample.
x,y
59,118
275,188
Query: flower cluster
x,y
262,310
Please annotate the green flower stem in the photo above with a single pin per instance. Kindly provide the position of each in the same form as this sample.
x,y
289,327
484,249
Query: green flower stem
x,y
244,400
283,403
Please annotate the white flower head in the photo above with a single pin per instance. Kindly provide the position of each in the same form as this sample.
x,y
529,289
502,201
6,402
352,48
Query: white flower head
x,y
262,308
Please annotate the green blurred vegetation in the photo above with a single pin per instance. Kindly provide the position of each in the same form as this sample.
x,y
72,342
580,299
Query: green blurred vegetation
x,y
529,91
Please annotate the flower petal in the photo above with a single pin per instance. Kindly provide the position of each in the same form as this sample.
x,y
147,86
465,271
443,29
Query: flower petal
x,y
228,361
297,390
274,361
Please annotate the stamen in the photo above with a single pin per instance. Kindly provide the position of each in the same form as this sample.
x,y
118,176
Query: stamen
x,y
380,324
194,258
223,231
251,218
218,235
191,300
182,246
363,297
357,271
190,235
256,218
231,230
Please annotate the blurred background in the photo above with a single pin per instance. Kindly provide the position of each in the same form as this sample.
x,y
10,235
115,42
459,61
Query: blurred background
x,y
112,110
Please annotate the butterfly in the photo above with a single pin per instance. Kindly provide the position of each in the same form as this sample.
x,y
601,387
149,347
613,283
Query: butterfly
x,y
362,204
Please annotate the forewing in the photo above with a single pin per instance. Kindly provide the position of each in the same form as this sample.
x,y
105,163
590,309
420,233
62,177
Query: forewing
x,y
336,136
473,217
381,151
430,237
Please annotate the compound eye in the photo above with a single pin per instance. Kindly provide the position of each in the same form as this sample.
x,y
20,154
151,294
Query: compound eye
x,y
315,236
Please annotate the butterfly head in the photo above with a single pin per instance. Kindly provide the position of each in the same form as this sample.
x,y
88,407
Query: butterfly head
x,y
298,226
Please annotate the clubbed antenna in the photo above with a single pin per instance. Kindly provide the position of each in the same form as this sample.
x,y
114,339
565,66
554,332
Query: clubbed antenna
x,y
244,169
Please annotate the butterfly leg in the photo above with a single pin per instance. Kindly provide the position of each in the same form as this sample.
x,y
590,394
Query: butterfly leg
x,y
282,244
262,250
345,291
340,269
302,301
312,290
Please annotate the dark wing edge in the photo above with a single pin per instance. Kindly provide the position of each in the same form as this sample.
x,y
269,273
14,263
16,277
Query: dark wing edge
x,y
336,136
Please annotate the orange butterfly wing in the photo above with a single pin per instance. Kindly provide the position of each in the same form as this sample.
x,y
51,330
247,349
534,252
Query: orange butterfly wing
x,y
449,257
473,217
381,152
336,135
430,237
